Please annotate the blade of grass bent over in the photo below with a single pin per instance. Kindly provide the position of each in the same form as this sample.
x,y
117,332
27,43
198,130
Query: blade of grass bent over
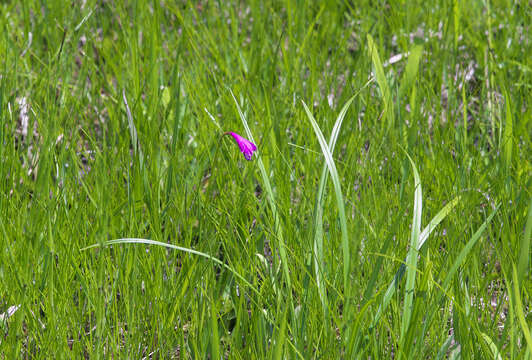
x,y
337,189
411,258
174,247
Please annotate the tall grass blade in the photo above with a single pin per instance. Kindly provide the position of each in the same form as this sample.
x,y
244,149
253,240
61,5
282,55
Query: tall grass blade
x,y
338,191
444,348
458,261
319,263
411,258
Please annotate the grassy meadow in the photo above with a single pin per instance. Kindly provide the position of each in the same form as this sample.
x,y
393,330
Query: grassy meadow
x,y
386,213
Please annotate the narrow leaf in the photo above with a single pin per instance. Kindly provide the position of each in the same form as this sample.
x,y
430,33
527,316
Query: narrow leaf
x,y
411,259
337,189
523,265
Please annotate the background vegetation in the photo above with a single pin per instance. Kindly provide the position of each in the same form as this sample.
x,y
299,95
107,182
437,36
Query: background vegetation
x,y
111,115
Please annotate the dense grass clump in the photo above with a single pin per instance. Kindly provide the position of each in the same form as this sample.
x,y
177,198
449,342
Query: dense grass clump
x,y
385,213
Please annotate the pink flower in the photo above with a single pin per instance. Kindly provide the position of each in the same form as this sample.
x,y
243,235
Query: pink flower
x,y
246,146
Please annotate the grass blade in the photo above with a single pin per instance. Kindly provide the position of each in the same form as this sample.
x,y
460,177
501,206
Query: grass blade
x,y
411,70
458,261
337,189
132,130
435,221
494,350
519,310
279,343
215,339
411,258
383,83
319,263
174,247
523,266
507,140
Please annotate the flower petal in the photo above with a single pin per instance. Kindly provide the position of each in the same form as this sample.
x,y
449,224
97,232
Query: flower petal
x,y
246,146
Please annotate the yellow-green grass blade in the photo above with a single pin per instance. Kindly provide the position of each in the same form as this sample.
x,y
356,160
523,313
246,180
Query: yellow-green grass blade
x,y
494,350
383,83
423,236
411,70
338,191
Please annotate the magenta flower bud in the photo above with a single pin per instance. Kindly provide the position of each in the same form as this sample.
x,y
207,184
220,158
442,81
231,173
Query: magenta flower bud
x,y
246,146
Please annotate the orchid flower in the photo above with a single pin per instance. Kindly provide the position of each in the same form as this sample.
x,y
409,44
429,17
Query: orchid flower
x,y
246,146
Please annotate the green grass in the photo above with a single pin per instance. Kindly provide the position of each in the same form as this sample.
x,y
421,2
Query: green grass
x,y
129,229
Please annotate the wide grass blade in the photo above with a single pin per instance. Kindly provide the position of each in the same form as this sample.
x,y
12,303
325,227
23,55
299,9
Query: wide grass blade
x,y
494,350
338,191
435,221
411,69
411,259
